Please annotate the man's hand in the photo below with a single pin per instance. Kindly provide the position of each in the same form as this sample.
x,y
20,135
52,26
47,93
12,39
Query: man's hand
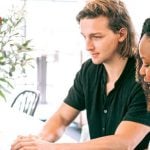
x,y
30,142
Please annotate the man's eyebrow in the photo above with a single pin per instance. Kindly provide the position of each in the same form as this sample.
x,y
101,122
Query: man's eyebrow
x,y
92,34
97,33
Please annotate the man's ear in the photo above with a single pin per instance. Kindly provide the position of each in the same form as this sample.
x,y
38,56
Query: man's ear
x,y
123,34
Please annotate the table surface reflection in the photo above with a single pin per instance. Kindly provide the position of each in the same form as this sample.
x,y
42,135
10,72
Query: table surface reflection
x,y
14,123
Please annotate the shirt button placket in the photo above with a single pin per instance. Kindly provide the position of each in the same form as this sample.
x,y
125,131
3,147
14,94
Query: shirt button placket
x,y
104,123
105,111
103,130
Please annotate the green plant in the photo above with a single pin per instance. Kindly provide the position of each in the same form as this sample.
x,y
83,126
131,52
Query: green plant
x,y
14,49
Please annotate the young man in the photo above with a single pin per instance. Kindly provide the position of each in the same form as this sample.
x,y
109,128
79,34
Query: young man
x,y
105,87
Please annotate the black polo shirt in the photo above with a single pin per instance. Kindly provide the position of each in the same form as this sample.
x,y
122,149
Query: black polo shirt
x,y
104,112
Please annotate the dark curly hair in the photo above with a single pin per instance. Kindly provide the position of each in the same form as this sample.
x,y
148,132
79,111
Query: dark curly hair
x,y
139,78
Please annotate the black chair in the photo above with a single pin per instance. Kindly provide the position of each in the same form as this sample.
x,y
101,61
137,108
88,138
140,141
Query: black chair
x,y
26,101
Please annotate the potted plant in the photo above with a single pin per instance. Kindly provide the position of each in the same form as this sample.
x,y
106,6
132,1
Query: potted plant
x,y
14,49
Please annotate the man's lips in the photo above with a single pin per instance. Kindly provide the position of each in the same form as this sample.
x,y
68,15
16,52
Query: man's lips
x,y
94,54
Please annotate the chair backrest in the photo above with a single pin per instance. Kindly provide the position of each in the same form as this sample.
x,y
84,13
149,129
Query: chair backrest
x,y
26,101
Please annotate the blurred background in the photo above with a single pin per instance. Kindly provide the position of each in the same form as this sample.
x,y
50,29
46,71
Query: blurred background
x,y
58,49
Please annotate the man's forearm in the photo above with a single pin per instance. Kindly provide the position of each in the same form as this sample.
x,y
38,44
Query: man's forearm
x,y
52,130
106,143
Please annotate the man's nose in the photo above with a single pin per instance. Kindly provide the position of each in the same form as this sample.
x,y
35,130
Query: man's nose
x,y
89,45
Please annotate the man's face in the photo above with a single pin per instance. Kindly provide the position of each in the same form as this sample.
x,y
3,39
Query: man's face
x,y
101,41
144,51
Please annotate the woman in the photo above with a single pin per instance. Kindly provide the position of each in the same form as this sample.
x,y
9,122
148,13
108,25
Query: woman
x,y
143,60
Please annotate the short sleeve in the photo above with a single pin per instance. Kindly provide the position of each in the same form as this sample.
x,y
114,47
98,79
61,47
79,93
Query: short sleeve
x,y
76,96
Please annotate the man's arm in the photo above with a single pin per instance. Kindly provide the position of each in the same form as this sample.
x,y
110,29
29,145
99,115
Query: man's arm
x,y
55,126
127,136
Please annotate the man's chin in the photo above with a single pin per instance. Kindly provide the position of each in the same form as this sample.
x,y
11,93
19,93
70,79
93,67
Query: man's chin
x,y
96,62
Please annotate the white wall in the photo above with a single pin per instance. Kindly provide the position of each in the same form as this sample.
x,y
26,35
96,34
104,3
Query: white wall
x,y
139,10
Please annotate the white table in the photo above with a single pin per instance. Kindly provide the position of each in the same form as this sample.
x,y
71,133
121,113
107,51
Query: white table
x,y
14,123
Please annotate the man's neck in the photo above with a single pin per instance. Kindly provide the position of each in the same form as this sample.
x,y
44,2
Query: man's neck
x,y
114,70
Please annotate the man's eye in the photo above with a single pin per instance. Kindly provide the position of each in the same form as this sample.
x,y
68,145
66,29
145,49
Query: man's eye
x,y
97,37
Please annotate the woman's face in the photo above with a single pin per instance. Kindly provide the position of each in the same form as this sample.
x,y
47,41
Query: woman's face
x,y
144,51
